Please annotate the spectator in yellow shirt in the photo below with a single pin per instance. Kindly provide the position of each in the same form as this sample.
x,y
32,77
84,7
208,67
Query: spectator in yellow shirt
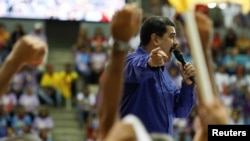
x,y
49,91
4,38
67,82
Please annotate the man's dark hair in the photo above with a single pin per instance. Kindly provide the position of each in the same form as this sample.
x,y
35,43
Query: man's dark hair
x,y
154,24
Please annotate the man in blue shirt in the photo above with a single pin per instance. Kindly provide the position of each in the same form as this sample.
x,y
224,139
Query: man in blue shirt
x,y
149,92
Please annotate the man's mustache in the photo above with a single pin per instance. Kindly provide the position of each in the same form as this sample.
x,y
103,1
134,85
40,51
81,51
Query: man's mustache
x,y
172,48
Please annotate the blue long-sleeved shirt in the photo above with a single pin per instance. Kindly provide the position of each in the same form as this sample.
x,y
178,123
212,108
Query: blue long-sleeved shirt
x,y
150,94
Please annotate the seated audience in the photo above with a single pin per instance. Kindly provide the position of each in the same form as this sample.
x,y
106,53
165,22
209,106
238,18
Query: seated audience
x,y
8,101
30,101
43,121
49,88
20,119
85,104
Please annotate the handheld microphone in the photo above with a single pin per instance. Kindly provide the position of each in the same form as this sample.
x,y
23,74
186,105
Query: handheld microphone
x,y
179,56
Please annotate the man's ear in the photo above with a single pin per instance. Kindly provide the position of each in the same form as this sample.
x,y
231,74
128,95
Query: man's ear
x,y
155,39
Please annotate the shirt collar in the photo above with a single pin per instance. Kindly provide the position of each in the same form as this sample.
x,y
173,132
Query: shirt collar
x,y
141,50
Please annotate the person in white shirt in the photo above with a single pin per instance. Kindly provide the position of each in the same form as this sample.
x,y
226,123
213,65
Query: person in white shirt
x,y
8,101
85,104
168,10
30,101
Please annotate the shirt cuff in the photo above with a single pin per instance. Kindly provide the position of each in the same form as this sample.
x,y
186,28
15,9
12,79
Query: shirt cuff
x,y
186,86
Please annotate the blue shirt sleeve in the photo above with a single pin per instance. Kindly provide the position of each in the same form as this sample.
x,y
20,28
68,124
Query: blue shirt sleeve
x,y
184,100
136,67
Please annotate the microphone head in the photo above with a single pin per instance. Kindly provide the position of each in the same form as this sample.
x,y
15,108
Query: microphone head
x,y
178,55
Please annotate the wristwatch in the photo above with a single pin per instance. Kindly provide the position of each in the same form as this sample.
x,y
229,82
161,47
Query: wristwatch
x,y
120,45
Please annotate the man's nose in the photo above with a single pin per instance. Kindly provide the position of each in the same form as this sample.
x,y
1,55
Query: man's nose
x,y
176,42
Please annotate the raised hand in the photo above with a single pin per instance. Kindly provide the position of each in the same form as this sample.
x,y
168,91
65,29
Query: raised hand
x,y
205,28
125,23
157,58
215,112
29,50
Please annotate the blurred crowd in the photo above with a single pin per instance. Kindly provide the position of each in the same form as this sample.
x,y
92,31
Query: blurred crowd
x,y
36,86
32,87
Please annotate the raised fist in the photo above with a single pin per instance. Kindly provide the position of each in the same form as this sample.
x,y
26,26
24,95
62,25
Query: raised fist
x,y
29,50
125,22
